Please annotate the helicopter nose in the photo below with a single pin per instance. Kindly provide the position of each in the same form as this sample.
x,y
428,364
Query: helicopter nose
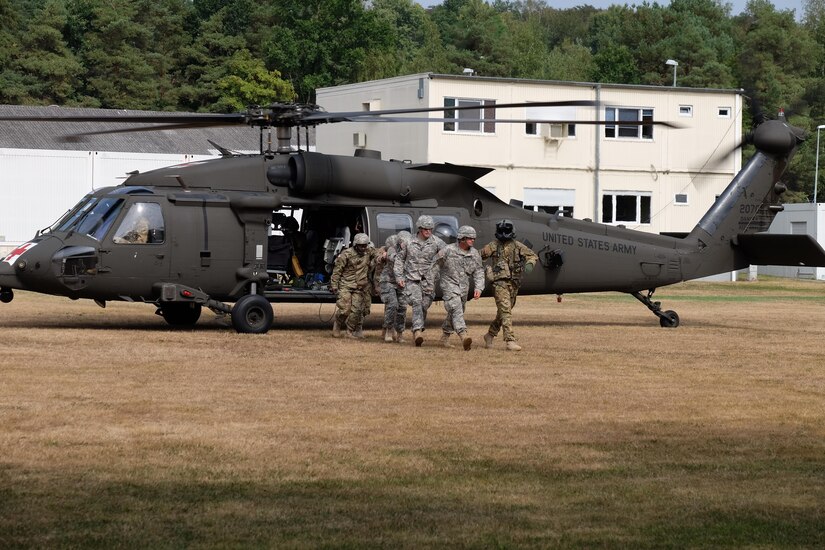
x,y
8,277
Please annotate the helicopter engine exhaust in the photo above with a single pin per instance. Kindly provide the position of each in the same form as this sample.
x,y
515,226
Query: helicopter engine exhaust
x,y
310,174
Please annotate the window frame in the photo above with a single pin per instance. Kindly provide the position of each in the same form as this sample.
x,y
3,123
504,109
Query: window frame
x,y
460,120
639,197
641,132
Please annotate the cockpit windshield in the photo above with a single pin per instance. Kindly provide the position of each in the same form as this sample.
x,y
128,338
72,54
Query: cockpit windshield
x,y
71,215
94,218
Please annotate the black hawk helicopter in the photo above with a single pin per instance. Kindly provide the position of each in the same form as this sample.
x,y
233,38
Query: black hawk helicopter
x,y
201,234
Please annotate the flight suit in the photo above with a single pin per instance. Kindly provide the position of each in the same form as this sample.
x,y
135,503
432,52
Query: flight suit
x,y
350,280
510,259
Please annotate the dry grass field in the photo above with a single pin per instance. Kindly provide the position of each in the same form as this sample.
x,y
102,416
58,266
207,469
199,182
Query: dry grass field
x,y
607,431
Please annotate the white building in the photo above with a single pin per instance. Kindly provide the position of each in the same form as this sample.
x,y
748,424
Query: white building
x,y
799,219
653,178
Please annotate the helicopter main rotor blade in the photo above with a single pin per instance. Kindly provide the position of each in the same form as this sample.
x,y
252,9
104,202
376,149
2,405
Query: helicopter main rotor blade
x,y
529,120
322,117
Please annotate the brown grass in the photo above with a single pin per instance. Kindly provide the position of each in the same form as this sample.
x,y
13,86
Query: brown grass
x,y
606,431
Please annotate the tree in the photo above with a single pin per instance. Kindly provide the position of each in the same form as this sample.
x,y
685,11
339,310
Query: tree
x,y
248,82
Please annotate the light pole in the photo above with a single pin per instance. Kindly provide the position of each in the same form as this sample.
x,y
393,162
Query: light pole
x,y
816,169
674,64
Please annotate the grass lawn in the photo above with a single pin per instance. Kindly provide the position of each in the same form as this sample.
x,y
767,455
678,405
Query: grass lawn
x,y
606,431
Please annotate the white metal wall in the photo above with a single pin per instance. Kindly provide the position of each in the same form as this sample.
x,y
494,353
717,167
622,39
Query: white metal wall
x,y
38,186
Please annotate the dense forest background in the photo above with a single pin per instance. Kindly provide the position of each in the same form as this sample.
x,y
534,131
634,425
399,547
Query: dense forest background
x,y
223,55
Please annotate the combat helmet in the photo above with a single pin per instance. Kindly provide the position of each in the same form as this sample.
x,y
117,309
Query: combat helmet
x,y
505,230
361,239
425,222
404,237
466,232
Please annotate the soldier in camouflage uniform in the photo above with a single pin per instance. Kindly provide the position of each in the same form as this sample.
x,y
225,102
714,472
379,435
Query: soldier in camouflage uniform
x,y
458,262
350,280
414,273
395,309
510,260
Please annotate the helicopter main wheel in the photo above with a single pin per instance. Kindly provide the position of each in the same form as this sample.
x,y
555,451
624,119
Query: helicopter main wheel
x,y
181,314
669,319
252,314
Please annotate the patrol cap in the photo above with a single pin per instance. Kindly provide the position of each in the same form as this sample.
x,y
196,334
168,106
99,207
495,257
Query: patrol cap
x,y
466,232
425,222
361,239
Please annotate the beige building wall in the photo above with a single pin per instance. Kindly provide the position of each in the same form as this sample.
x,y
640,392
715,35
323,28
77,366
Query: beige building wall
x,y
694,162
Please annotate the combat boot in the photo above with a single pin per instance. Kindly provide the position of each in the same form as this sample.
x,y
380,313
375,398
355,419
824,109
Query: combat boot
x,y
389,335
359,333
418,338
399,338
355,334
466,341
512,346
488,340
445,340
336,329
383,333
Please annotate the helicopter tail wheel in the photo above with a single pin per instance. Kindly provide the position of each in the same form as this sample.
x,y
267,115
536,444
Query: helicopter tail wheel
x,y
181,314
669,319
252,314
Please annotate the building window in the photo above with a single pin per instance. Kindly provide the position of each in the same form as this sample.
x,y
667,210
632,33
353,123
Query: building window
x,y
626,207
686,110
723,112
550,201
629,131
548,129
680,198
476,115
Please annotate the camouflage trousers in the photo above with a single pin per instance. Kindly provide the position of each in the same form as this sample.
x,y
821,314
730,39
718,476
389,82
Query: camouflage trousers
x,y
351,307
454,304
395,308
505,293
420,301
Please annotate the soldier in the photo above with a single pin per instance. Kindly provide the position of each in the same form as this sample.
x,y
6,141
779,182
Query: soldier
x,y
459,261
395,309
510,260
350,280
414,273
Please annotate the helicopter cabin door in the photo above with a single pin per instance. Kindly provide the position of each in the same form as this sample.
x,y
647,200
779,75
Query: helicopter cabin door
x,y
135,254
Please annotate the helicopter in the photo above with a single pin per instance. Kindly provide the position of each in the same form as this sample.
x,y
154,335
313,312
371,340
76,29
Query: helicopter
x,y
224,231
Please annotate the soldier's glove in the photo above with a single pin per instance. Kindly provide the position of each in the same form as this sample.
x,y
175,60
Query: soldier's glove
x,y
528,268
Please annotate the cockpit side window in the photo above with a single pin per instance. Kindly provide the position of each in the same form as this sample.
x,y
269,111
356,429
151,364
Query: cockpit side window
x,y
142,224
97,220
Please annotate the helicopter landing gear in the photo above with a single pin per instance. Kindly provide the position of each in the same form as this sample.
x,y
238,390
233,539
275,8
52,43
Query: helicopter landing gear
x,y
6,295
181,314
667,319
252,314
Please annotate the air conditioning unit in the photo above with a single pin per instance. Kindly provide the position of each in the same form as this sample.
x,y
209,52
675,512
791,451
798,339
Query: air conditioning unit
x,y
554,132
359,139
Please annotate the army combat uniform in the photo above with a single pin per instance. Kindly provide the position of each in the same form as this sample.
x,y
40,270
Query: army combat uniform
x,y
414,266
457,267
510,259
350,280
395,309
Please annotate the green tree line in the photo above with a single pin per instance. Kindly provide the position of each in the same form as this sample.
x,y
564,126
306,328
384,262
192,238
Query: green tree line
x,y
223,55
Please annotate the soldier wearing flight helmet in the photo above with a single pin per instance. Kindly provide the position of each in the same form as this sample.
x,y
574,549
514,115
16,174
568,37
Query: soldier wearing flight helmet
x,y
414,273
350,281
510,260
459,262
